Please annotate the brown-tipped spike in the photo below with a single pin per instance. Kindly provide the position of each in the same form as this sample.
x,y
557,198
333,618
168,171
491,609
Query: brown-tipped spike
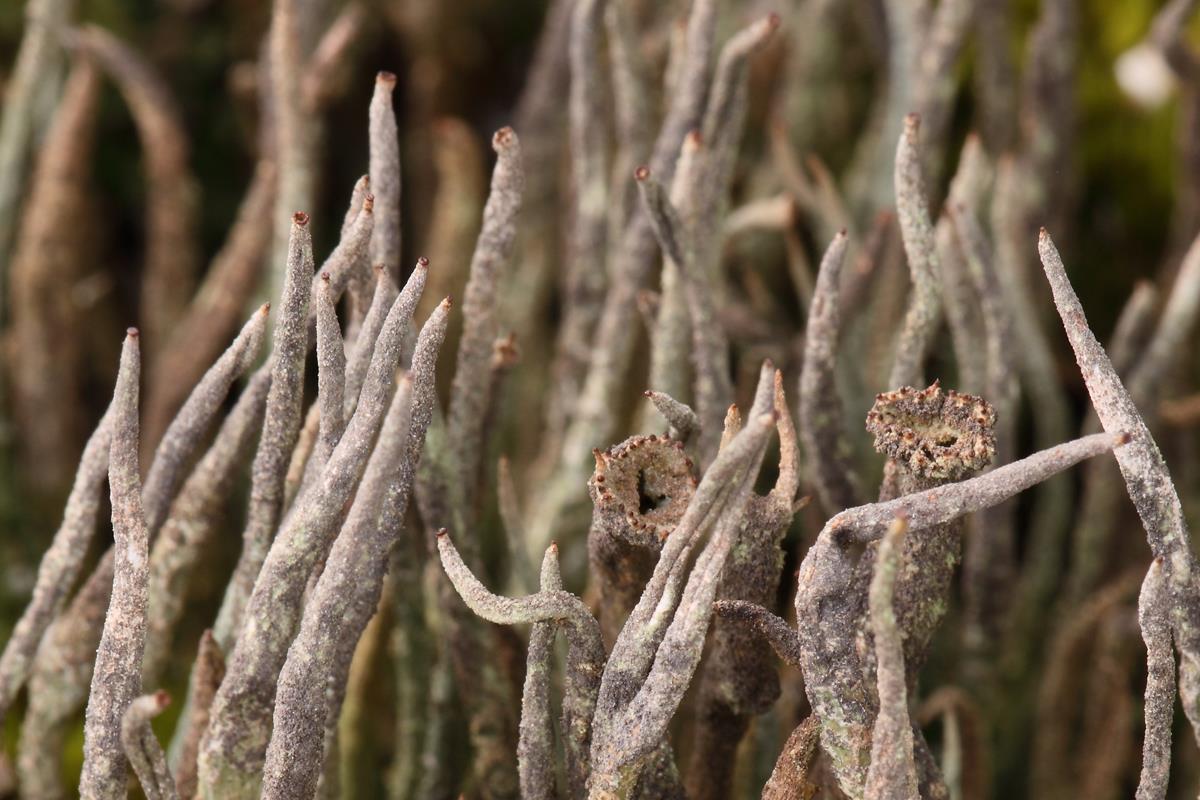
x,y
383,76
1124,437
264,309
300,218
642,173
503,138
422,261
368,205
442,532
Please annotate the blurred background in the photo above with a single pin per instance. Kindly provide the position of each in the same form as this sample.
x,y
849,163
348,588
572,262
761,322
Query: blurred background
x,y
1125,184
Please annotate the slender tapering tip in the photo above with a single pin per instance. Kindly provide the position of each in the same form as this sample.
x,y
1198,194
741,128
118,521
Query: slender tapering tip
x,y
1043,234
553,548
162,699
422,262
264,309
448,302
131,333
774,21
642,173
442,532
300,218
385,78
503,138
801,503
368,206
912,123
843,233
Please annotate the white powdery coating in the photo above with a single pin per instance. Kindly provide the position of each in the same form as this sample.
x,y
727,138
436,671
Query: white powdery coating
x,y
117,677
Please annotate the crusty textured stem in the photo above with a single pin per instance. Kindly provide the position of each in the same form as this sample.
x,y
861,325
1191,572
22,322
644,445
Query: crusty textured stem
x,y
232,757
368,332
194,522
535,747
990,561
191,424
312,682
206,677
60,566
1154,617
585,651
593,419
827,614
892,775
469,394
281,426
58,687
385,175
652,661
1146,477
789,779
117,677
738,679
821,425
682,419
773,629
585,272
142,749
331,376
710,349
920,246
968,188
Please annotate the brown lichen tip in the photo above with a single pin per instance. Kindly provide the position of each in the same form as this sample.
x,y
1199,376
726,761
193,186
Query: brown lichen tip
x,y
447,302
642,173
503,138
325,278
368,204
774,21
264,309
422,262
300,218
1124,437
912,124
386,78
642,487
934,434
131,333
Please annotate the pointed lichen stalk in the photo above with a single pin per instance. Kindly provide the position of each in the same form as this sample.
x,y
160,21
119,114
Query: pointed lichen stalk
x,y
235,747
585,651
822,429
1154,617
117,677
1146,477
828,605
535,746
312,683
142,749
892,775
658,649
